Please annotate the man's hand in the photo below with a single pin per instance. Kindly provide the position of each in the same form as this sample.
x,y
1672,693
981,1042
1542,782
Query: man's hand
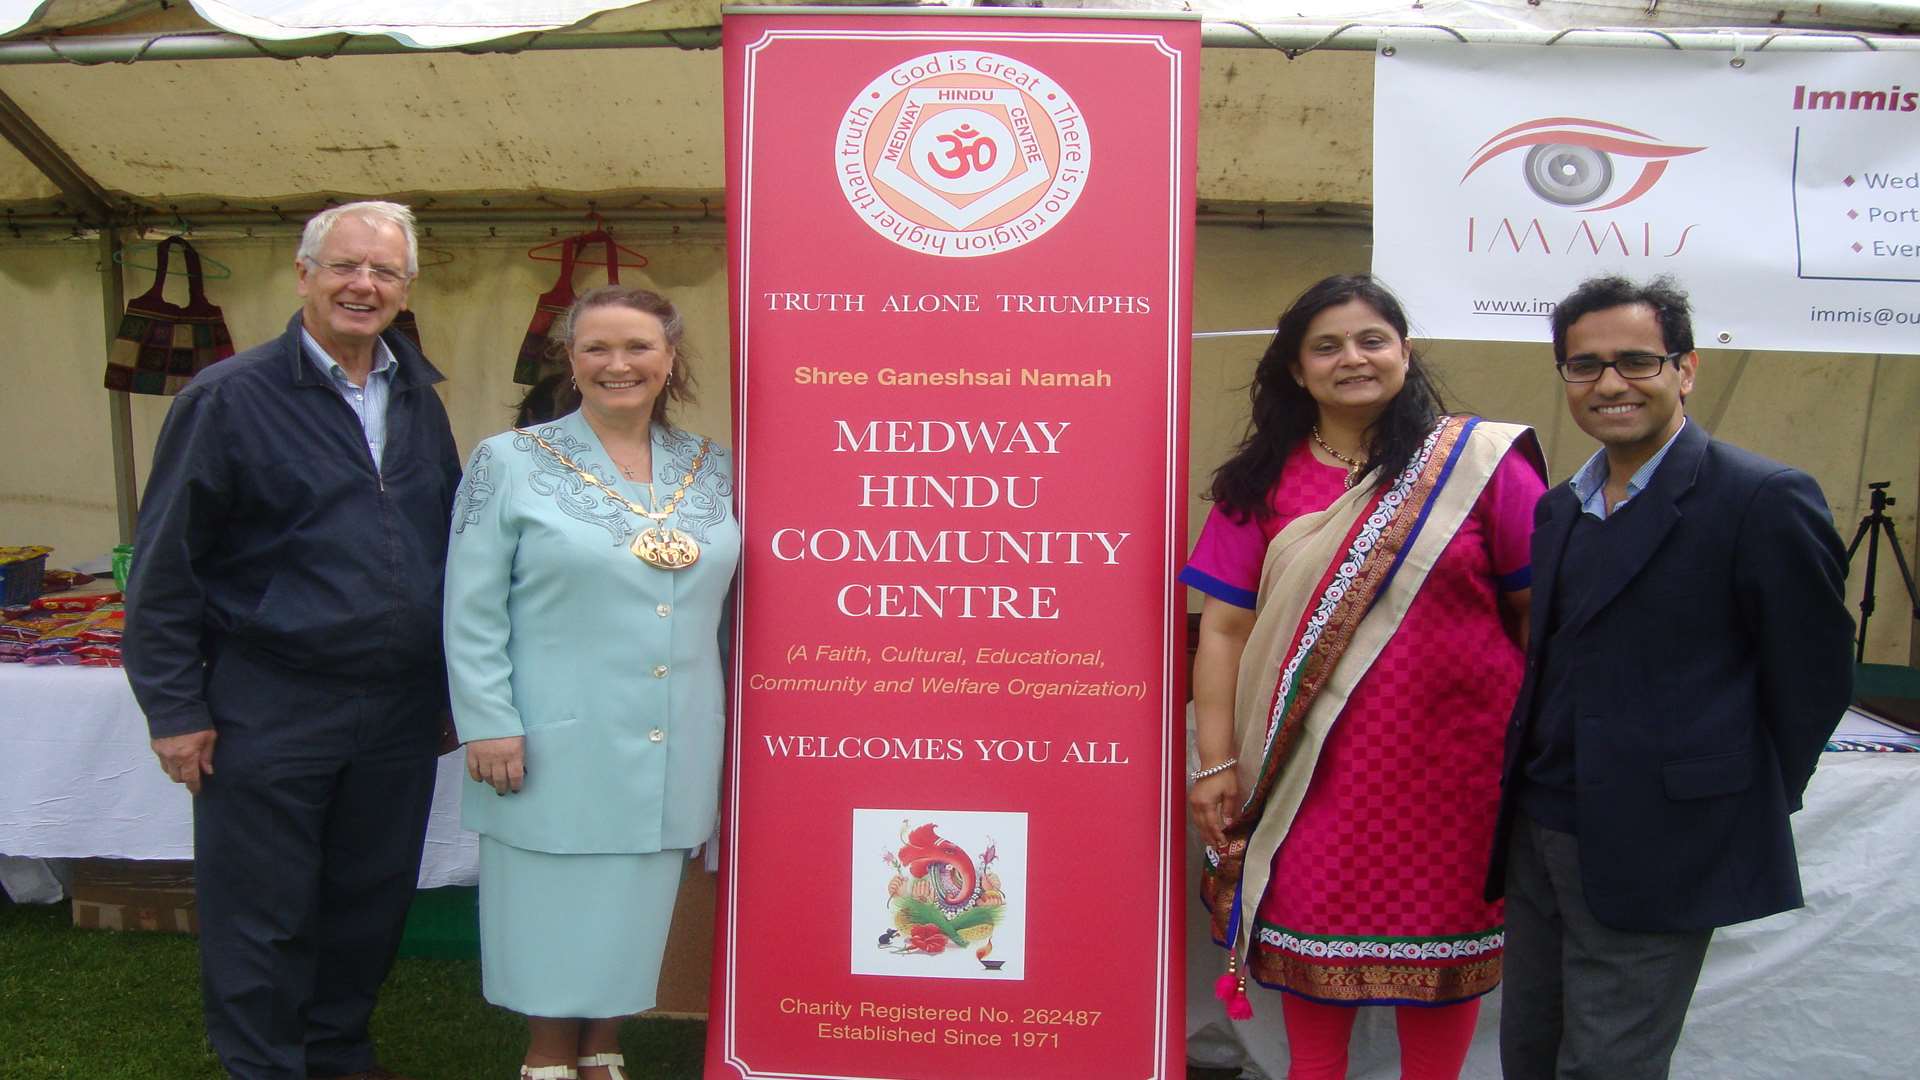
x,y
499,763
186,758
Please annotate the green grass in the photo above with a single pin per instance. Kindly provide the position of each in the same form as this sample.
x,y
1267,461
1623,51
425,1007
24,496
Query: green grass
x,y
101,1005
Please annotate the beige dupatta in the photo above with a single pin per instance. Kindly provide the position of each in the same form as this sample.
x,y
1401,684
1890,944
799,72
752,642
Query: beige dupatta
x,y
1331,597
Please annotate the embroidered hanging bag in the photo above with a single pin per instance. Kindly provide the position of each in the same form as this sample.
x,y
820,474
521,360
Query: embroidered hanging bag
x,y
534,362
409,328
161,345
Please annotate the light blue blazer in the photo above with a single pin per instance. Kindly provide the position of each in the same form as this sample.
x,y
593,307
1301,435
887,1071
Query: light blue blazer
x,y
609,667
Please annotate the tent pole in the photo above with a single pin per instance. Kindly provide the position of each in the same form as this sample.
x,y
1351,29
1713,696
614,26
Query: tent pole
x,y
75,185
90,199
113,304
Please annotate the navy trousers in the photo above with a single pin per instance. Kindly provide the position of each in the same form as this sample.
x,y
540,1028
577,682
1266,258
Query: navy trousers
x,y
307,843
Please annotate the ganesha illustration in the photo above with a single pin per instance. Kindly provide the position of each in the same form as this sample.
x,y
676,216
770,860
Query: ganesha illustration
x,y
939,899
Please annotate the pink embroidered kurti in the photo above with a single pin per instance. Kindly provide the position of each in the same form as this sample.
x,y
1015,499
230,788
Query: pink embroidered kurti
x,y
1375,896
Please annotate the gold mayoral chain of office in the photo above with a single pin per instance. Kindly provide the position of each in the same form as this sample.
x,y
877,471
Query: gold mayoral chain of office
x,y
659,546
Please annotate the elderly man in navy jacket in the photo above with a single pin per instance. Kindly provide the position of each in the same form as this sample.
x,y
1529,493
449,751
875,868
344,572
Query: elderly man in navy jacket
x,y
283,639
1689,655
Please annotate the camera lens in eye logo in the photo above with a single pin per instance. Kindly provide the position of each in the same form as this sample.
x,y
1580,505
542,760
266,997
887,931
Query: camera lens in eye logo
x,y
1569,161
961,154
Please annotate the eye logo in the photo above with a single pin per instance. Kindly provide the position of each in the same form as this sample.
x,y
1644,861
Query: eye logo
x,y
1571,163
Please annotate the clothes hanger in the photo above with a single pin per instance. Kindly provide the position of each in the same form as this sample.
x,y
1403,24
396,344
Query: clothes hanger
x,y
141,256
600,235
434,256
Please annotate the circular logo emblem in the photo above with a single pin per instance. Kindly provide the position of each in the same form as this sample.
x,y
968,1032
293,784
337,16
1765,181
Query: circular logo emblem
x,y
960,154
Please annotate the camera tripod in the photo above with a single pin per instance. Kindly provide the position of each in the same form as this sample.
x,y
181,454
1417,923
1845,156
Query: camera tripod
x,y
1875,523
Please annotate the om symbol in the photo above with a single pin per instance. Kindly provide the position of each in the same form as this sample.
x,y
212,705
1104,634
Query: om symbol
x,y
968,149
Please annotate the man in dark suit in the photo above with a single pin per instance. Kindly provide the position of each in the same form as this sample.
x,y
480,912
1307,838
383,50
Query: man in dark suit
x,y
1688,656
283,640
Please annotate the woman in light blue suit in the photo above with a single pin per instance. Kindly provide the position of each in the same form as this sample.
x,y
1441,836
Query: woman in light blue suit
x,y
586,585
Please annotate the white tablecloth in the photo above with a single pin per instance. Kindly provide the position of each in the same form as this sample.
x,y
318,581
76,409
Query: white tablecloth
x,y
77,779
1827,991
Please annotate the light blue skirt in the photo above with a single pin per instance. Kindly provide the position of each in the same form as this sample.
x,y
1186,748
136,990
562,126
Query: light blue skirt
x,y
574,935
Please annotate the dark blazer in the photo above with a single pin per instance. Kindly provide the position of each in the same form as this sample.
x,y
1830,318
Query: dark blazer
x,y
1715,664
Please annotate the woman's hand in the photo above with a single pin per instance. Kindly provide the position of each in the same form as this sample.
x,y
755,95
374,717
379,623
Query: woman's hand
x,y
1211,803
1213,800
499,763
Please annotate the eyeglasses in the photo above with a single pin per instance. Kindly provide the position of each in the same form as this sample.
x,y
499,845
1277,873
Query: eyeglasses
x,y
1633,365
346,271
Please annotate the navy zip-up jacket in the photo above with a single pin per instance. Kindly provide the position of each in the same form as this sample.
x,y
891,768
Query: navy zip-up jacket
x,y
266,527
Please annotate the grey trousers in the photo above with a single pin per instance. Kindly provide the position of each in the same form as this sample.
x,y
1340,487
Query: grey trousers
x,y
1579,1000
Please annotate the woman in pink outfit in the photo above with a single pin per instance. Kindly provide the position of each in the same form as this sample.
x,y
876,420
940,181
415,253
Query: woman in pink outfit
x,y
1365,568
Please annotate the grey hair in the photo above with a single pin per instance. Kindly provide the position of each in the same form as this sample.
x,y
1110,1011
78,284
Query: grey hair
x,y
371,213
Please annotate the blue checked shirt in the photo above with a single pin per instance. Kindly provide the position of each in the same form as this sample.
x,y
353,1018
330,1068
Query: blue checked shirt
x,y
1589,484
369,402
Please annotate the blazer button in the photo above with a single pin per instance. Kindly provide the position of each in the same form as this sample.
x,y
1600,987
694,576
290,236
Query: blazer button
x,y
659,671
663,610
656,735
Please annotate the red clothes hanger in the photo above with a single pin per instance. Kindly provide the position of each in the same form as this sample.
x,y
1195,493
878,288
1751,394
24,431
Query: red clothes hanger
x,y
613,253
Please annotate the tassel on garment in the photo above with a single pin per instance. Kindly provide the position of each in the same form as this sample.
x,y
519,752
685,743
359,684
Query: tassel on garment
x,y
1231,988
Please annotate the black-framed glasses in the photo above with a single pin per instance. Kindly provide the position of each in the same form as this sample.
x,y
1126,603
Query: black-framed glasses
x,y
1633,365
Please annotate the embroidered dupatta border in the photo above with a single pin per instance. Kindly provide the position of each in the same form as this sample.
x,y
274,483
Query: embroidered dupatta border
x,y
1373,552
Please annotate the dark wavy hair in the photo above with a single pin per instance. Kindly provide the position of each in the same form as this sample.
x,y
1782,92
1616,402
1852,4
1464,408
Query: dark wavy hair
x,y
679,387
548,399
1663,294
1284,412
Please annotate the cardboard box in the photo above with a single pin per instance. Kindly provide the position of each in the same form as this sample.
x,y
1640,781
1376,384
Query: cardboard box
x,y
125,894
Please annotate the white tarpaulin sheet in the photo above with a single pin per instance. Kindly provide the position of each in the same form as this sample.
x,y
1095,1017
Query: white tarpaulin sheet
x,y
1784,191
419,23
1822,993
422,23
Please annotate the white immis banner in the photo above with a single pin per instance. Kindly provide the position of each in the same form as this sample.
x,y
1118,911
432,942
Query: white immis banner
x,y
1782,189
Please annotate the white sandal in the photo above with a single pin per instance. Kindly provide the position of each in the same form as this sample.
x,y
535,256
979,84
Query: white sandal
x,y
615,1064
548,1072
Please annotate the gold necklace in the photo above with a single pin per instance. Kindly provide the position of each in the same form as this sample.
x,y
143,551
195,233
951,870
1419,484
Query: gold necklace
x,y
1353,467
661,547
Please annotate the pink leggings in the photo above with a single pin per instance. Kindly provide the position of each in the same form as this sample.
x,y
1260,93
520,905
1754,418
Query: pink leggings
x,y
1433,1039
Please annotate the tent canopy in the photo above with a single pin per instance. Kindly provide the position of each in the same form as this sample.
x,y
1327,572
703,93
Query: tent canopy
x,y
632,129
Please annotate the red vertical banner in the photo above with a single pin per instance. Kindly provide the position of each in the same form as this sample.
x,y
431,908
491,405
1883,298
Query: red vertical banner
x,y
961,251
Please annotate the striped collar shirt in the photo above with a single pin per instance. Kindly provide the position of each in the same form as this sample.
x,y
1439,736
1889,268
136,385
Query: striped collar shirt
x,y
1590,483
368,402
